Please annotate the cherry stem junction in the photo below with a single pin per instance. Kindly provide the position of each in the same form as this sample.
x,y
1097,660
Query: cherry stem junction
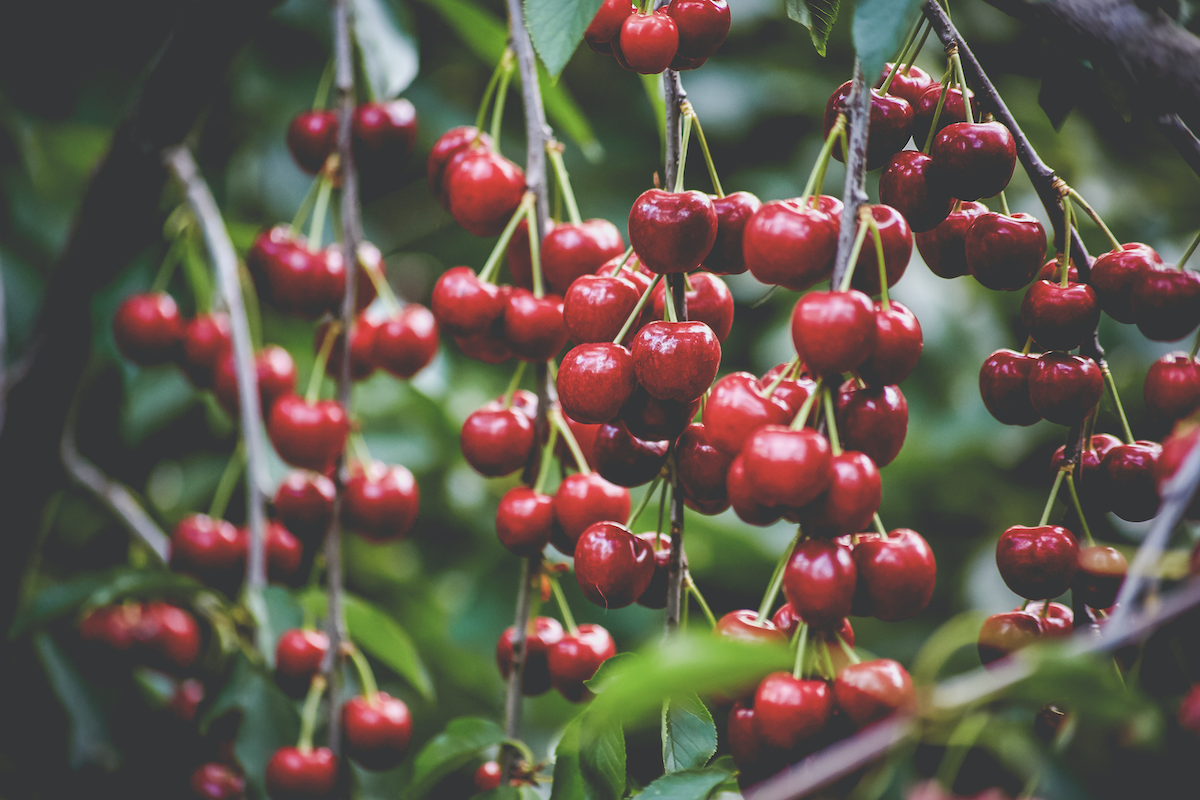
x,y
1091,212
816,176
937,112
366,677
1188,253
308,718
801,646
869,218
320,210
835,443
801,417
848,650
492,264
683,148
855,249
690,113
505,63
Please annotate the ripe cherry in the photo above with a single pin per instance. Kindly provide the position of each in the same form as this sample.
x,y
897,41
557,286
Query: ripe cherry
x,y
363,333
308,435
910,83
702,471
533,326
497,441
606,25
649,418
206,341
907,186
168,636
525,520
1004,386
595,380
1114,274
833,332
873,420
898,343
295,774
543,633
405,343
708,301
485,189
850,502
952,111
626,460
788,711
736,406
676,360
733,212
1004,251
210,549
376,730
383,138
1059,317
575,658
298,656
304,503
276,372
655,595
890,124
973,159
570,250
743,499
943,249
215,781
613,567
284,551
897,241
463,304
672,231
448,145
1037,563
311,137
871,690
649,41
896,576
596,306
703,26
1005,633
381,501
1065,388
1166,303
1172,387
1057,619
790,245
487,776
1100,576
582,500
819,582
1128,481
148,328
785,467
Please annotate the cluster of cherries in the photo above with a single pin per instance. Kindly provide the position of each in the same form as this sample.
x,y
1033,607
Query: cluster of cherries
x,y
383,135
680,36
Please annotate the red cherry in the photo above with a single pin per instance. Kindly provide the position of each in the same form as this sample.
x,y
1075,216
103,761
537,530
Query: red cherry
x,y
906,185
583,500
596,306
206,342
672,231
311,137
214,781
897,241
276,372
909,83
733,213
304,503
873,421
785,467
497,441
376,730
524,520
702,471
1189,711
1100,576
703,25
871,690
1172,387
896,575
571,250
1004,386
613,567
585,437
485,189
788,711
649,418
742,497
1004,251
383,138
744,625
148,328
606,25
209,549
448,145
1005,633
833,332
294,774
595,380
381,501
819,582
574,659
1052,271
1037,563
790,392
1114,274
626,460
973,159
311,436
655,595
533,326
952,111
850,502
542,634
284,551
898,343
1059,317
649,41
735,408
676,360
944,248
463,304
298,656
488,776
1065,388
169,635
291,277
1088,475
363,333
889,124
406,343
263,258
792,246
189,694
708,301
111,626
1166,303
1128,481
1057,619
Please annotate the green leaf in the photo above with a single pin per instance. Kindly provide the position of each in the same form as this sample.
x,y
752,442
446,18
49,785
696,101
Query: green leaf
x,y
879,29
689,737
275,611
378,633
602,755
90,743
452,748
953,635
269,718
148,583
690,784
816,15
568,775
556,28
56,601
389,51
607,669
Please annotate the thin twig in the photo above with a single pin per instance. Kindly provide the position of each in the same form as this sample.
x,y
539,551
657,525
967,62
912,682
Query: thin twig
x,y
1176,131
537,131
858,109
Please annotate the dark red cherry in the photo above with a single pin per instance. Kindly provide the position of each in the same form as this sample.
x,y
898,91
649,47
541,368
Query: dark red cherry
x,y
1057,619
789,245
1004,386
676,360
488,776
1100,576
308,435
1064,388
533,326
148,328
606,25
897,241
789,711
1114,274
463,304
1004,252
376,730
497,441
384,135
381,501
206,341
906,186
295,774
743,499
570,250
898,343
525,520
850,502
1059,317
1008,632
304,503
362,347
596,306
703,25
871,690
819,582
298,656
168,636
626,460
311,137
1128,480
595,380
952,111
405,343
909,83
744,625
708,301
268,249
890,124
873,420
1166,303
833,332
1088,477
943,249
647,417
1172,387
448,145
215,781
973,159
649,41
210,549
1037,563
485,189
672,231
276,378
575,658
655,595
582,500
896,575
736,407
613,567
542,635
1052,271
785,467
733,213
790,392
702,470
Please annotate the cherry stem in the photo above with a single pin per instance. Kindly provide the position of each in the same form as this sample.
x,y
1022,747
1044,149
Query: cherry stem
x,y
318,370
1112,388
1045,611
501,96
1091,212
764,608
848,650
855,249
568,436
920,45
937,112
1028,346
514,383
783,373
879,526
827,668
637,309
909,38
308,718
1058,479
683,148
171,260
624,260
1188,254
695,591
835,443
957,746
493,262
323,85
229,477
535,250
317,229
555,151
366,677
358,444
801,646
547,455
643,503
1195,345
686,108
563,608
669,304
504,63
382,288
1004,205
816,176
802,415
884,301
962,85
307,204
662,507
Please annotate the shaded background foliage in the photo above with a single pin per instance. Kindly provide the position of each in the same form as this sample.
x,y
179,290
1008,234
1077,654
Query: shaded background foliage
x,y
67,70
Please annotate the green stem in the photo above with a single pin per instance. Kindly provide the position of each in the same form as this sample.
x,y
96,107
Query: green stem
x,y
317,230
1004,205
695,591
835,444
937,112
1091,212
1195,345
514,383
816,176
171,260
848,650
801,646
644,502
854,251
323,86
962,86
492,264
306,205
1058,479
366,677
909,38
637,310
544,470
879,526
783,373
624,260
1188,254
505,63
572,443
1112,387
308,718
501,96
358,444
1065,266
828,670
884,301
318,370
669,303
708,159
554,150
683,149
563,608
662,507
535,251
229,477
802,415
382,288
764,608
916,52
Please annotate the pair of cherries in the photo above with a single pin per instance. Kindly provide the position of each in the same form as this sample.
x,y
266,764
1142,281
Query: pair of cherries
x,y
557,658
526,520
615,568
383,135
160,634
679,36
1117,476
479,187
1133,285
303,282
214,551
1021,388
1002,251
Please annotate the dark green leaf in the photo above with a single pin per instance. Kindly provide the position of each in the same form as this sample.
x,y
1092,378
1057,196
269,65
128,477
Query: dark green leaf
x,y
688,733
56,601
452,748
556,28
568,775
816,15
691,784
602,755
879,29
149,583
389,51
89,743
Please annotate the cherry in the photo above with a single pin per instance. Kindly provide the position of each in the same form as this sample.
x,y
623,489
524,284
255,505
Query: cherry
x,y
111,626
206,342
1004,386
1059,317
655,595
788,711
708,301
1175,448
188,696
787,620
889,124
896,575
524,520
1114,274
898,343
533,326
298,656
736,406
871,690
383,138
1128,481
1100,575
742,497
702,470
1189,711
284,551
381,501
626,460
613,567
703,26
785,467
833,332
295,774
672,231
168,635
649,41
488,776
276,372
944,248
308,435
1052,271
311,137
907,186
743,625
363,332
596,306
148,328
744,745
571,250
851,500
541,636
406,343
575,658
790,245
790,392
1057,619
582,500
909,83
1088,475
1166,303
1065,388
676,360
973,159
1039,562
594,381
873,420
606,25
209,549
294,279
214,781
448,145
497,441
485,189
463,304
952,111
649,418
897,241
1172,387
819,582
304,503
733,213
1004,251
1005,633
264,256
376,730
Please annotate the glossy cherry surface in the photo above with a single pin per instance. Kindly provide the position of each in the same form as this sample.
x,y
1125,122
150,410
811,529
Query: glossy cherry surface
x,y
1004,386
785,467
675,360
819,582
733,212
1065,388
148,328
906,186
1037,562
973,159
898,344
789,245
381,501
613,567
295,774
873,420
869,691
788,711
833,332
672,231
1004,251
576,657
308,435
376,730
943,249
896,576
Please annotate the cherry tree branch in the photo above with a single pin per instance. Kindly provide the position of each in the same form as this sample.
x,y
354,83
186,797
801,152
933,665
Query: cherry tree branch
x,y
1176,131
181,164
854,195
